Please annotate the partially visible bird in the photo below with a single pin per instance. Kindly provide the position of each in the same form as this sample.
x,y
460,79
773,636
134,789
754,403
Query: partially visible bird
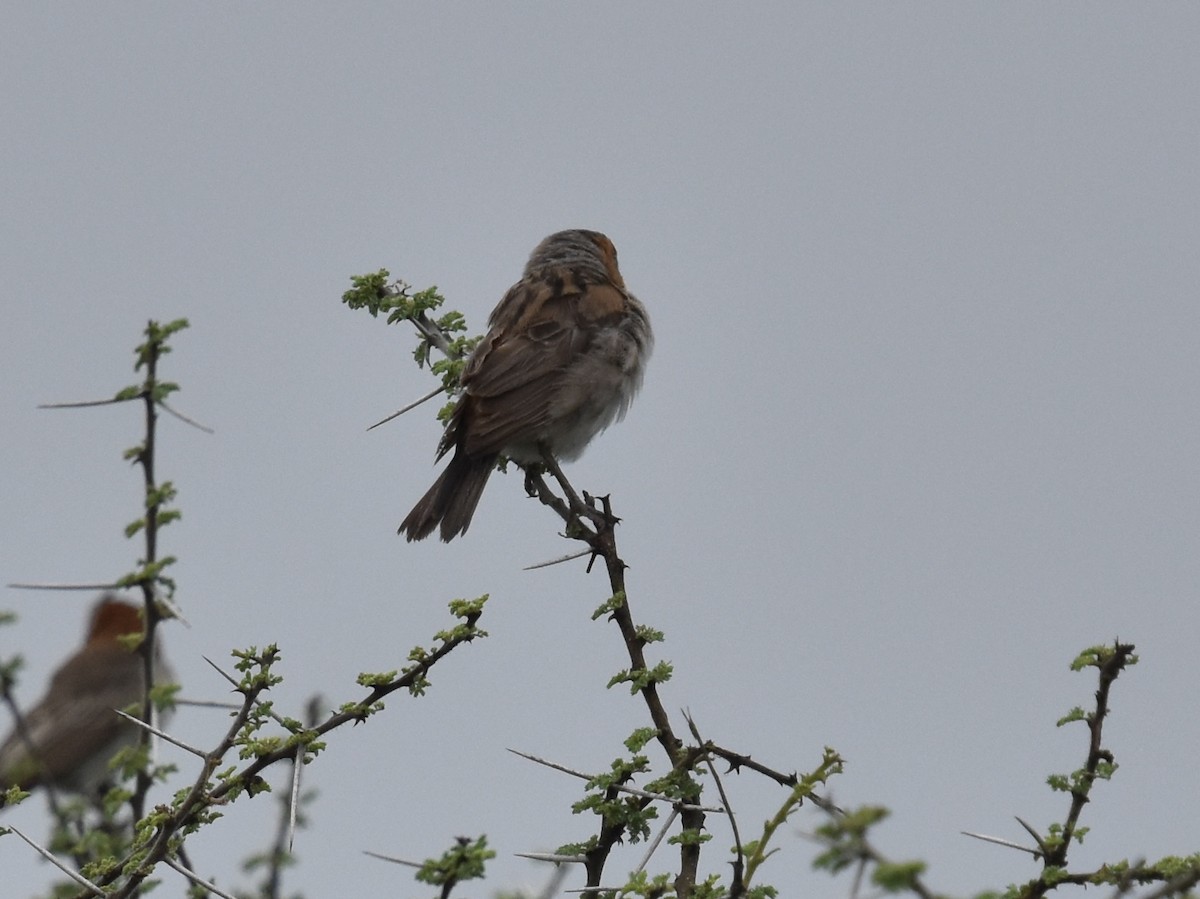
x,y
563,357
73,732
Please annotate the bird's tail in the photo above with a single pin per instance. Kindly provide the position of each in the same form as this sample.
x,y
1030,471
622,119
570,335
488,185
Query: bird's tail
x,y
452,499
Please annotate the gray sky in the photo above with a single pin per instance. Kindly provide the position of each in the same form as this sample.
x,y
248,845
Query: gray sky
x,y
920,425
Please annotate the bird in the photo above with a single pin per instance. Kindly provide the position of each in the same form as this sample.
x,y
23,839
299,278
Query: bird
x,y
564,355
69,737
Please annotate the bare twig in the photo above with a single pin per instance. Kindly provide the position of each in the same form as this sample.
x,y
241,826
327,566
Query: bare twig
x,y
1033,833
392,859
45,586
86,403
1001,842
736,887
161,734
187,421
553,857
50,857
429,330
171,863
426,398
623,788
658,838
207,704
554,884
567,558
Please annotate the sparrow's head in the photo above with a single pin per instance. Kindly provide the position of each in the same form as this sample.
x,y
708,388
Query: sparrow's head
x,y
588,252
112,618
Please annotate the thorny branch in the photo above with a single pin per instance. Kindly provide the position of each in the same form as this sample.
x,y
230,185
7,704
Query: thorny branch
x,y
157,838
194,808
590,520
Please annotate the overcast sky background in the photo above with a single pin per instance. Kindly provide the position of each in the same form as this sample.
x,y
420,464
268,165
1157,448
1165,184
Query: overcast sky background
x,y
920,425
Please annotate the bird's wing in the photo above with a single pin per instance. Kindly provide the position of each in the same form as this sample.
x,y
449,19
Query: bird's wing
x,y
514,376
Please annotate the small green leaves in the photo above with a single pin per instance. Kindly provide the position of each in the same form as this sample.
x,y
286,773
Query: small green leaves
x,y
1173,866
464,861
638,740
641,678
162,696
369,292
897,877
1100,656
359,711
256,668
160,495
422,302
468,609
648,635
375,293
1080,780
610,605
844,836
1076,714
147,574
690,837
1053,874
642,884
156,342
376,680
677,783
420,682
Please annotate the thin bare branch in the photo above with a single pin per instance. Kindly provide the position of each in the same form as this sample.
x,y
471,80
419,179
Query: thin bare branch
x,y
294,798
1033,833
208,704
161,734
45,586
623,788
173,608
658,838
736,888
428,329
86,403
1001,842
171,863
187,421
426,398
220,672
553,858
859,872
392,859
554,884
50,857
567,558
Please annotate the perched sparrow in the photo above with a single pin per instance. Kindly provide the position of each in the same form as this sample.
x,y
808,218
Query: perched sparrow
x,y
561,361
70,736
